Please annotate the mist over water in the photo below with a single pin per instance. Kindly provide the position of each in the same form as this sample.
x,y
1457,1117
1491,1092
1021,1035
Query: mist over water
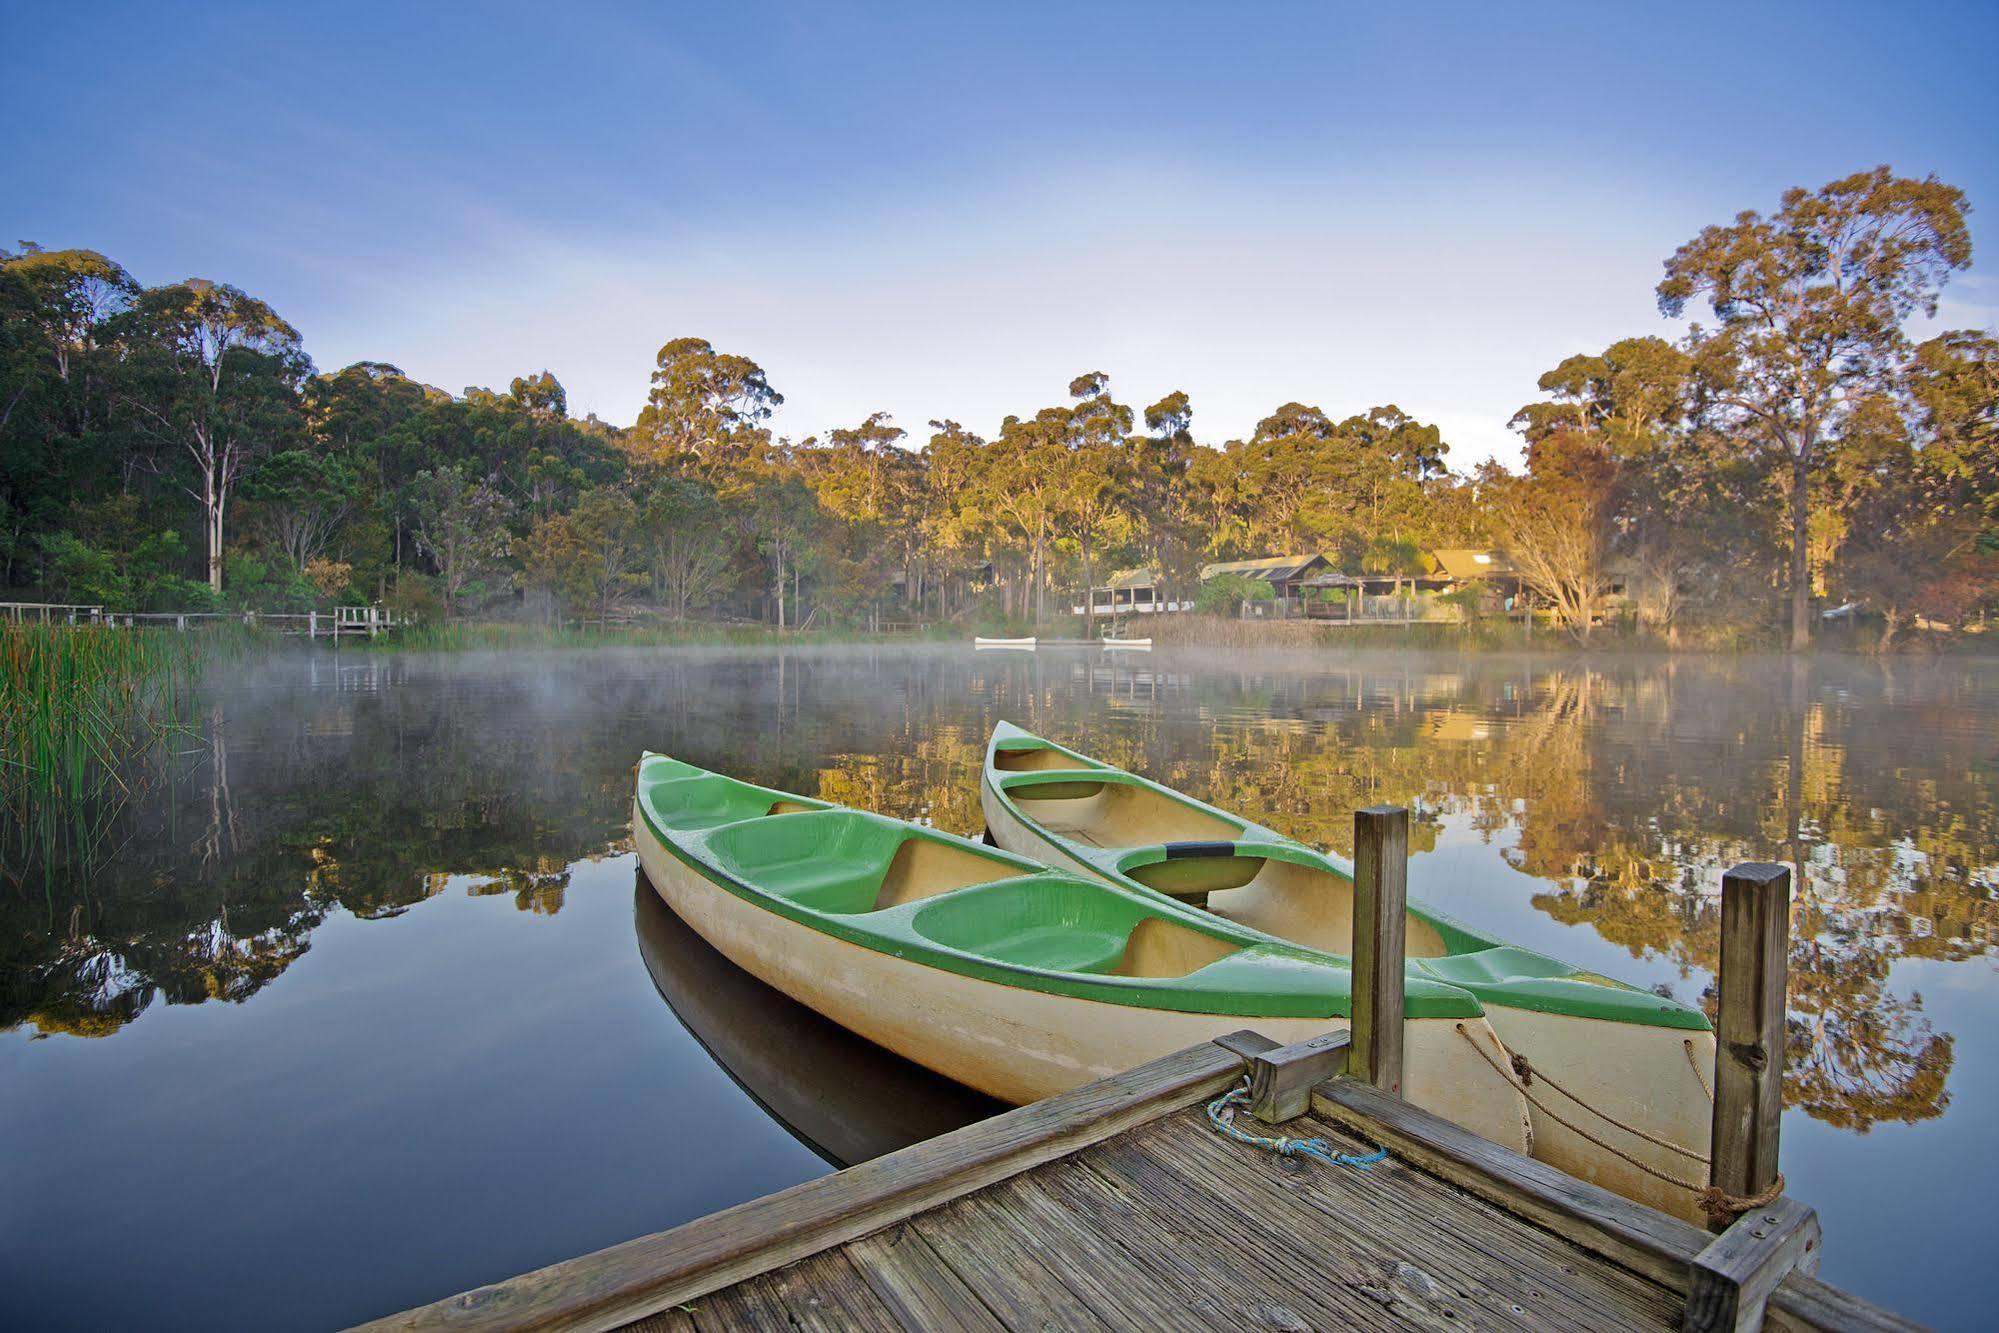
x,y
360,1004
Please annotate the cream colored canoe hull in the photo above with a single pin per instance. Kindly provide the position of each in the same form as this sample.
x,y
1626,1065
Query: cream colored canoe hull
x,y
1024,1045
1654,1079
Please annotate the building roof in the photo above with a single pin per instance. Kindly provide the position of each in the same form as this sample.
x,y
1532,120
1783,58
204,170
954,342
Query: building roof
x,y
1470,564
1273,568
1130,578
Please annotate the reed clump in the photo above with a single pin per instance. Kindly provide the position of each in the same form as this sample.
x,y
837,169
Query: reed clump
x,y
76,699
85,710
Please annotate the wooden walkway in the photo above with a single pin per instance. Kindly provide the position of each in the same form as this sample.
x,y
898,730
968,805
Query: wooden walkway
x,y
1117,1206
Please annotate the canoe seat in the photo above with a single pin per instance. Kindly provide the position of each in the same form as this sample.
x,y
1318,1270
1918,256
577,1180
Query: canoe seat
x,y
844,862
1058,949
1116,814
709,800
1032,760
1057,923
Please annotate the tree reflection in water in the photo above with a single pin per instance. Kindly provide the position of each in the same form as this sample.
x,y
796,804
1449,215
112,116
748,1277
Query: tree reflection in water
x,y
1624,785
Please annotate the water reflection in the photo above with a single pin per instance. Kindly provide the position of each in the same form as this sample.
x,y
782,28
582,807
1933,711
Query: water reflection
x,y
846,1099
1582,806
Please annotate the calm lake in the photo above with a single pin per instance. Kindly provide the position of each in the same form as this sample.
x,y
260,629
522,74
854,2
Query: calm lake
x,y
363,1004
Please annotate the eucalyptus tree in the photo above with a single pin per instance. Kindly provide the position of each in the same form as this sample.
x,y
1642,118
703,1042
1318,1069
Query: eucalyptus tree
x,y
55,447
1094,484
459,522
679,520
1288,481
1810,304
700,400
1161,459
951,523
1918,489
865,477
219,377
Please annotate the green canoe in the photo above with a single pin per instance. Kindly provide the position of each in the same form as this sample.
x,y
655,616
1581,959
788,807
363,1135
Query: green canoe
x,y
1632,1057
996,970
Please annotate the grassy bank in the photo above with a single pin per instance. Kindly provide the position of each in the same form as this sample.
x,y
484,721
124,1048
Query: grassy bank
x,y
85,711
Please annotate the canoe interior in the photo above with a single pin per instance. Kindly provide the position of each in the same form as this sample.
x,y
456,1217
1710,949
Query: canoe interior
x,y
1112,811
1308,904
1125,830
950,903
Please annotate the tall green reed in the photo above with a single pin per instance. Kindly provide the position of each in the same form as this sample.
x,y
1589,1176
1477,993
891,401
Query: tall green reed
x,y
85,716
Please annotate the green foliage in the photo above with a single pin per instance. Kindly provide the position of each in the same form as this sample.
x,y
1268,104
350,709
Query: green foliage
x,y
1224,594
146,432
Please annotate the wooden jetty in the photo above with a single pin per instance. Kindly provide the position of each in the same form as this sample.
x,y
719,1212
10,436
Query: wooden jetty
x,y
1119,1205
340,621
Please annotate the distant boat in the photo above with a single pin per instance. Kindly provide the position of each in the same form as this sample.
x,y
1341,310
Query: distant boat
x,y
845,1098
982,642
1000,973
1636,1055
1140,645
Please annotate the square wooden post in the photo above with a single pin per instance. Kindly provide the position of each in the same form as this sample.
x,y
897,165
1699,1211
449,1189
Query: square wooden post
x,y
1749,1028
1380,943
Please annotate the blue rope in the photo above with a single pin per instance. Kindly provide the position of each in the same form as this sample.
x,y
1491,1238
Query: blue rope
x,y
1222,1113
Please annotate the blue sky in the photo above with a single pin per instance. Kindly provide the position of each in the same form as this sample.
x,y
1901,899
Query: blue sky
x,y
945,210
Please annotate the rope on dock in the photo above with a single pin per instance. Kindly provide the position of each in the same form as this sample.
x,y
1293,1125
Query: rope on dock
x,y
1222,1114
1691,1186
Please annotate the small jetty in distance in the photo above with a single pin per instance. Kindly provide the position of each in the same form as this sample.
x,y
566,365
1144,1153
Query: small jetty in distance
x,y
1117,1204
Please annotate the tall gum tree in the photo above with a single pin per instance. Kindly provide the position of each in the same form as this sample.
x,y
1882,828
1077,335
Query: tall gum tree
x,y
700,400
1810,304
220,381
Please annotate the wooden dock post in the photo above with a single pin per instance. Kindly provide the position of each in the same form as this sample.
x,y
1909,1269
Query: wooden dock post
x,y
1380,943
1749,1028
1729,1282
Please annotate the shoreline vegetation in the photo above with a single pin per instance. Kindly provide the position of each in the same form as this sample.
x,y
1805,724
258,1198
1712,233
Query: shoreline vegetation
x,y
1794,455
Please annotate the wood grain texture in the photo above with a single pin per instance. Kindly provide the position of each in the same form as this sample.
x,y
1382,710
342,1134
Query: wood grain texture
x,y
1731,1280
1749,1028
916,1284
1380,943
1281,1081
640,1277
1647,1242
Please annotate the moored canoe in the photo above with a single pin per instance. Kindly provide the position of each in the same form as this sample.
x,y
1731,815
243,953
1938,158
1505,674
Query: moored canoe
x,y
1015,979
1633,1060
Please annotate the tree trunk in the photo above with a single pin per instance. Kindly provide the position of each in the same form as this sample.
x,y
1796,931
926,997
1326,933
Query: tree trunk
x,y
1090,598
211,513
1801,570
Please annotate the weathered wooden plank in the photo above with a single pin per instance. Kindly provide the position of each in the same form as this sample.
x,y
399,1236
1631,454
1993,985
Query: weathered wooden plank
x,y
1380,943
1150,1250
917,1286
1398,1236
1648,1242
1749,1029
1733,1277
625,1282
1289,1279
825,1292
1281,1081
994,1259
667,1321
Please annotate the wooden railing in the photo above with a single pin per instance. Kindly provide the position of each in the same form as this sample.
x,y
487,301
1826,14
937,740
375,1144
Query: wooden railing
x,y
369,620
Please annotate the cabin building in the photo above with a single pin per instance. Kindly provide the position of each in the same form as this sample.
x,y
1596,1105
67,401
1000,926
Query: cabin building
x,y
1285,573
1132,592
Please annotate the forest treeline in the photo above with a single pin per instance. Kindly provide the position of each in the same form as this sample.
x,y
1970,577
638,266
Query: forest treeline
x,y
173,447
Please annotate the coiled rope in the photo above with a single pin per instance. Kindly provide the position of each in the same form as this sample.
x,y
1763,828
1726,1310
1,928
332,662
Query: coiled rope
x,y
1712,1199
1222,1113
